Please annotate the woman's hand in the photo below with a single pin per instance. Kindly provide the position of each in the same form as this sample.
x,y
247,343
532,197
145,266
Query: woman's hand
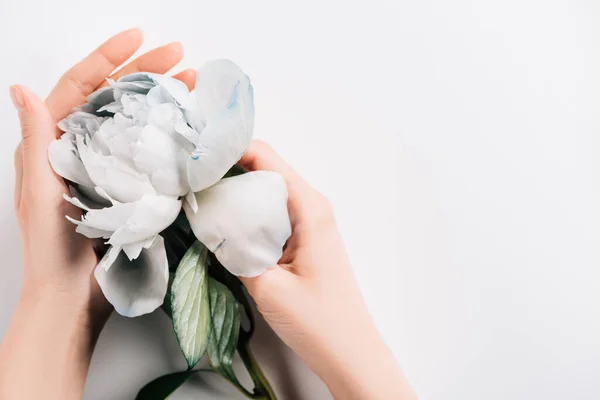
x,y
61,310
312,301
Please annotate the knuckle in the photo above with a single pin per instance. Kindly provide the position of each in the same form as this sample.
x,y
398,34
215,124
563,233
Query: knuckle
x,y
85,88
28,139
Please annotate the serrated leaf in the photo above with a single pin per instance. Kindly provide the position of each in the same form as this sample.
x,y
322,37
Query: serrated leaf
x,y
190,304
225,329
163,387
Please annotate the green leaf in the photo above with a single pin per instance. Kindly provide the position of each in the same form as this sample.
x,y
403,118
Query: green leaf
x,y
163,387
190,304
225,329
237,288
166,305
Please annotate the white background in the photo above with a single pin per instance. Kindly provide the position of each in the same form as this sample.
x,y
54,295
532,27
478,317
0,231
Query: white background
x,y
458,141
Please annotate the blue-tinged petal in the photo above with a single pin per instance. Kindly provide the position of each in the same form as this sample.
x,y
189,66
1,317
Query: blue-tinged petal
x,y
140,87
98,99
113,107
225,98
220,86
244,221
174,88
136,287
81,123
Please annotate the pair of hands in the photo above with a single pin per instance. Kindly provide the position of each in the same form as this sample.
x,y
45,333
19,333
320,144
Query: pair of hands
x,y
310,299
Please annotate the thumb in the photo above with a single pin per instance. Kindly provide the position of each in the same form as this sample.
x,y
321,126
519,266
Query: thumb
x,y
37,131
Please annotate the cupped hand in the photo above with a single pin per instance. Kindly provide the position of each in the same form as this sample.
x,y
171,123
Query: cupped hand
x,y
61,310
57,260
312,301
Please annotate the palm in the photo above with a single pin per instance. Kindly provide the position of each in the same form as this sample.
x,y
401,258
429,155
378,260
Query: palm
x,y
39,191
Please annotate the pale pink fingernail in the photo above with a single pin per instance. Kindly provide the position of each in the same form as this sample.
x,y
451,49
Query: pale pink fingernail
x,y
17,98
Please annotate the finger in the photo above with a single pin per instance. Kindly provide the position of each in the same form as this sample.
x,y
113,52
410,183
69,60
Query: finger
x,y
261,156
306,206
82,79
188,77
19,175
159,60
37,131
301,196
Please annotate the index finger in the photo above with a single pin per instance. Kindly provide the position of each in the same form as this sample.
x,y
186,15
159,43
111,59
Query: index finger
x,y
83,78
301,196
261,156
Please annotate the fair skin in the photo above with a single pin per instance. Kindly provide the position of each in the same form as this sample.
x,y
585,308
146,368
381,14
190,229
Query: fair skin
x,y
310,299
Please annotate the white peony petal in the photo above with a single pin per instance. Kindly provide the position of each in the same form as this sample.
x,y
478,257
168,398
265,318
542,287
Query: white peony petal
x,y
151,215
64,158
159,155
196,120
88,197
225,97
102,193
139,87
244,221
81,123
109,258
221,85
133,250
118,180
76,202
101,96
128,223
113,107
110,218
176,89
136,287
190,200
133,103
88,231
170,119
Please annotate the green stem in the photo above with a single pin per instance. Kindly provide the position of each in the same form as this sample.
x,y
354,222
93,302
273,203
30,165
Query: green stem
x,y
262,388
242,390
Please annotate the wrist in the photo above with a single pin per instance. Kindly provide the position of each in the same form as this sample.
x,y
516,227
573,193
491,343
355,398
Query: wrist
x,y
355,363
71,308
366,370
50,334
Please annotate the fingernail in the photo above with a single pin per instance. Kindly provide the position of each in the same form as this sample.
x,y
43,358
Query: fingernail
x,y
177,46
17,98
137,30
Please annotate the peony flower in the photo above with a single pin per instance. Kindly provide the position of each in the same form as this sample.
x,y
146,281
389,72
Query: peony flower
x,y
141,148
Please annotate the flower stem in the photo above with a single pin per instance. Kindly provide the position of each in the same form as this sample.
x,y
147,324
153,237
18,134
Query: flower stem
x,y
262,388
